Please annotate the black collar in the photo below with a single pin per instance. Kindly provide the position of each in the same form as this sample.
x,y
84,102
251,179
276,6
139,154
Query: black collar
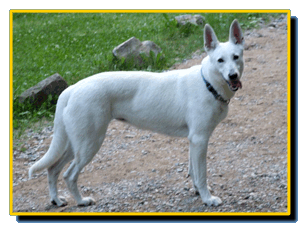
x,y
213,91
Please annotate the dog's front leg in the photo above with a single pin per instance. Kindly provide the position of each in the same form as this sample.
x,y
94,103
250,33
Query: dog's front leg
x,y
198,149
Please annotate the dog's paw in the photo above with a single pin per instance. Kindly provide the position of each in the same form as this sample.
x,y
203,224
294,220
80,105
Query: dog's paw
x,y
60,201
86,201
213,201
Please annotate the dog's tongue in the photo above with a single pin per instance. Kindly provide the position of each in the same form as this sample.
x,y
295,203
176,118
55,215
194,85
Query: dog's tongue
x,y
236,84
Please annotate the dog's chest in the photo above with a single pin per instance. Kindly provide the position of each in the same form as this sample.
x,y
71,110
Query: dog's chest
x,y
219,112
223,110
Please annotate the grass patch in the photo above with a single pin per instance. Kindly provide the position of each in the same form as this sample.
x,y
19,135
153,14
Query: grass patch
x,y
77,45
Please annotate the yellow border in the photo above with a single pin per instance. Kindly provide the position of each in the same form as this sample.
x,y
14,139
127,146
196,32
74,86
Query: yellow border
x,y
11,111
289,114
149,11
159,213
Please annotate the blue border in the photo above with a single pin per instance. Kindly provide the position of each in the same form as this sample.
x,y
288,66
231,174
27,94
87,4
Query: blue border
x,y
116,4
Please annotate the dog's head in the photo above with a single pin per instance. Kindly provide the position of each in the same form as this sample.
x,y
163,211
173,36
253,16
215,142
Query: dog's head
x,y
227,58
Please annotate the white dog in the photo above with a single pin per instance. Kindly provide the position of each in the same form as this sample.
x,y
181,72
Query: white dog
x,y
185,103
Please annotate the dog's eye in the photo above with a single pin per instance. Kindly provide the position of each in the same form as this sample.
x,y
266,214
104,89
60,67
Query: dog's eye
x,y
235,57
220,60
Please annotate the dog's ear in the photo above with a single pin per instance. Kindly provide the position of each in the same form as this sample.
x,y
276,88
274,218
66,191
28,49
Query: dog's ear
x,y
210,38
236,34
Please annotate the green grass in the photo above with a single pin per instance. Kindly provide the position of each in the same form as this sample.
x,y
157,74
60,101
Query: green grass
x,y
77,45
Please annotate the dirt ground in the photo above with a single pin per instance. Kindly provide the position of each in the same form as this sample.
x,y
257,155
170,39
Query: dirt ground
x,y
142,171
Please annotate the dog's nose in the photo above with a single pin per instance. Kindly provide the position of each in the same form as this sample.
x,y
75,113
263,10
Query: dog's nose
x,y
233,76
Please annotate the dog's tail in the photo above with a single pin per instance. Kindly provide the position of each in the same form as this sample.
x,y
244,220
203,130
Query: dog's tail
x,y
60,140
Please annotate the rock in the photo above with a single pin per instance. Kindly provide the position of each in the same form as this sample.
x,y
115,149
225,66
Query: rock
x,y
179,170
197,20
144,152
186,188
273,25
133,48
53,85
129,136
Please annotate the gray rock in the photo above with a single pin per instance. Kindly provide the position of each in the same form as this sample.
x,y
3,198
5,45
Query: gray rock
x,y
144,152
53,85
133,48
192,19
179,170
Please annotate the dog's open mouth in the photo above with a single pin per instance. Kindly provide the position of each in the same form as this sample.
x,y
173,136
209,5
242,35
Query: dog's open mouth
x,y
234,85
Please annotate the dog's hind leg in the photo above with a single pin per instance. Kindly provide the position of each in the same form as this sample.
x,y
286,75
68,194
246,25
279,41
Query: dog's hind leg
x,y
86,120
86,142
53,173
83,156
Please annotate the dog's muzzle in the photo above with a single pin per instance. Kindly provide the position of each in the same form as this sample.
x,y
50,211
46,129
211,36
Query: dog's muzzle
x,y
234,83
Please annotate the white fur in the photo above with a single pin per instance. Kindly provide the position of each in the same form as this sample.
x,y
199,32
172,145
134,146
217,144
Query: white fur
x,y
175,103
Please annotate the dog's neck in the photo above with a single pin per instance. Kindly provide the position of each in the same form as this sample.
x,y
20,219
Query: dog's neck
x,y
217,81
